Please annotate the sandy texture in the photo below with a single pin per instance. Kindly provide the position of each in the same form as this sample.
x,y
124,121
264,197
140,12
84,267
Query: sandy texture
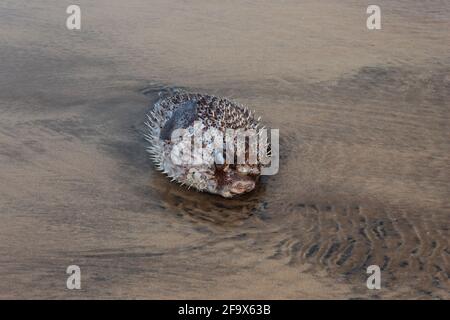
x,y
364,173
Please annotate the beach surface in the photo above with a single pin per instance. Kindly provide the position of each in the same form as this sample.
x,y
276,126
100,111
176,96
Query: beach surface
x,y
364,119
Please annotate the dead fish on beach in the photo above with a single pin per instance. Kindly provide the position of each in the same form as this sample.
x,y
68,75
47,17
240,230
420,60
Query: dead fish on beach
x,y
181,122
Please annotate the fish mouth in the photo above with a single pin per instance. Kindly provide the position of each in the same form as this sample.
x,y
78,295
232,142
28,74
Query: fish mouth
x,y
241,187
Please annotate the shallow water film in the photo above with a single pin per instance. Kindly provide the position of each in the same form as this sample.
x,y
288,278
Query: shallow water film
x,y
364,179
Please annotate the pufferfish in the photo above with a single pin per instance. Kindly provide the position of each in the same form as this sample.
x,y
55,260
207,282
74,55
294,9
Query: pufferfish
x,y
193,113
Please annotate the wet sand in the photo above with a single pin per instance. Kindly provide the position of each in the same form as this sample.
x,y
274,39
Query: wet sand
x,y
365,151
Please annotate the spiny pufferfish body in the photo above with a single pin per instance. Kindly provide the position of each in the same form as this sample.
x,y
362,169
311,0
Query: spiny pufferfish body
x,y
193,113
